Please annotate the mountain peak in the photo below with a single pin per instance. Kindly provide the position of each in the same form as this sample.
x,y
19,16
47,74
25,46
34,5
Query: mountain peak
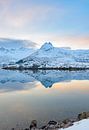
x,y
47,46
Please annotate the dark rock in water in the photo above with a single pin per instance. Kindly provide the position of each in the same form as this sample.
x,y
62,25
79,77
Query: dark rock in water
x,y
26,129
73,120
87,114
52,122
82,116
13,129
33,124
52,125
66,121
68,125
43,127
62,125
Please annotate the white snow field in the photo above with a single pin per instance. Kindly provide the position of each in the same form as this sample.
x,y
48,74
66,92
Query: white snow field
x,y
81,125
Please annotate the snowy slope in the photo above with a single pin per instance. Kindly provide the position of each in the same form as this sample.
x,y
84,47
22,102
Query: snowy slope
x,y
81,125
13,50
48,56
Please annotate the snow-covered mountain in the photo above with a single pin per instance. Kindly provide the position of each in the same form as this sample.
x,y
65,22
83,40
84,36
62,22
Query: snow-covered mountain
x,y
52,57
12,50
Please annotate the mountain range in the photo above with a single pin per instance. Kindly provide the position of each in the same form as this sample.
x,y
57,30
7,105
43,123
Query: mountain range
x,y
49,56
12,50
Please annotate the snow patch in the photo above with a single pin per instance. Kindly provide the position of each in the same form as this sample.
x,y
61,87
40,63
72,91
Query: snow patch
x,y
81,125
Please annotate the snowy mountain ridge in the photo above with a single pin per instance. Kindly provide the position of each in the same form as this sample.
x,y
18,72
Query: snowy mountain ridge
x,y
16,43
12,50
53,57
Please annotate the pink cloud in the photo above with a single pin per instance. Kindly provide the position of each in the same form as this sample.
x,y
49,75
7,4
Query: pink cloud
x,y
80,42
4,2
23,16
75,42
72,41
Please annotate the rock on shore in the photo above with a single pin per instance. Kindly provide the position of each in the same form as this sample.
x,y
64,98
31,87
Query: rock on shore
x,y
67,123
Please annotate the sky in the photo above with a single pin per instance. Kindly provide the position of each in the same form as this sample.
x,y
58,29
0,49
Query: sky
x,y
62,22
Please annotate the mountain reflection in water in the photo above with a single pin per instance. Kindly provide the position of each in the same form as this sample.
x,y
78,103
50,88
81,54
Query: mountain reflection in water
x,y
12,80
24,97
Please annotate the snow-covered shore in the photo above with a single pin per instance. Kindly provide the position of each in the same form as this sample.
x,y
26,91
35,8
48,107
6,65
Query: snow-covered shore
x,y
81,122
81,125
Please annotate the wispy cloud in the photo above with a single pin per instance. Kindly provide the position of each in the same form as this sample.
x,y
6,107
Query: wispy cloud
x,y
73,41
22,16
60,22
5,2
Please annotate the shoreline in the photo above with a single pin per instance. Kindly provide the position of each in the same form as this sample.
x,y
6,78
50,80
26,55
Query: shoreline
x,y
49,68
54,125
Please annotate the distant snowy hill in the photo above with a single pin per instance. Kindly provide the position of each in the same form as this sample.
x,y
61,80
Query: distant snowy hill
x,y
12,50
15,43
51,57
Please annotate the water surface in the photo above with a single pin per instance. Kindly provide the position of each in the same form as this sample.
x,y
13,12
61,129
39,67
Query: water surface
x,y
41,95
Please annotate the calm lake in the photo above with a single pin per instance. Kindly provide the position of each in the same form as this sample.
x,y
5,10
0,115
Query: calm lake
x,y
41,95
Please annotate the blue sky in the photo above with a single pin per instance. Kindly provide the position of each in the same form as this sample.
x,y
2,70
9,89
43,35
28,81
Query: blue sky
x,y
63,22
